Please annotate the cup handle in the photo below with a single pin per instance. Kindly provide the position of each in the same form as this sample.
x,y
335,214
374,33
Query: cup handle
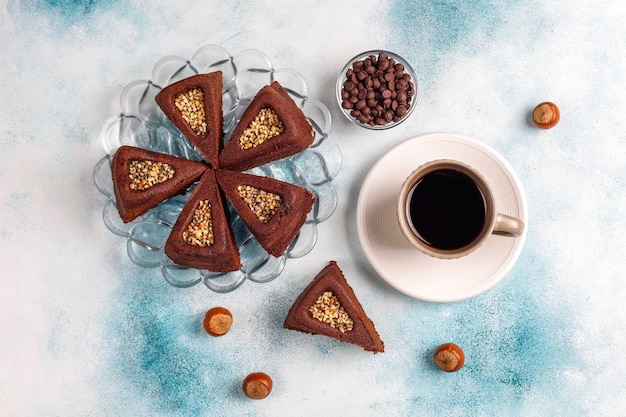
x,y
508,226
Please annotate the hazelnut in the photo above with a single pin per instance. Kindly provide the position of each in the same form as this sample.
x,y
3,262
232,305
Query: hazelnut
x,y
217,321
546,115
449,357
257,385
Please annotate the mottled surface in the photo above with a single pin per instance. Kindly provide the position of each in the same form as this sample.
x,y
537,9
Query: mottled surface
x,y
86,332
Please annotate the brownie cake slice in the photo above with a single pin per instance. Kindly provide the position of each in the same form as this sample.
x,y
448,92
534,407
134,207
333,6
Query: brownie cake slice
x,y
194,106
329,307
272,210
272,127
142,179
202,237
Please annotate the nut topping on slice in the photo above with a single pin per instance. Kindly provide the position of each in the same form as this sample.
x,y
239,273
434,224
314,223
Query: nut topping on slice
x,y
145,174
327,309
191,106
200,231
265,126
262,203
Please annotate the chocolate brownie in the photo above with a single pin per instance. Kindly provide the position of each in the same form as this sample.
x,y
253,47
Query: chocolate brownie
x,y
194,106
272,127
328,306
202,237
272,210
142,179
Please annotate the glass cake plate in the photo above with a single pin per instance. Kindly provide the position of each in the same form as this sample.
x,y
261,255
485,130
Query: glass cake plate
x,y
141,123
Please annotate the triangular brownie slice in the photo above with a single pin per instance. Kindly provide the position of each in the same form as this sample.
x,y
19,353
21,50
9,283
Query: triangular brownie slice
x,y
272,127
142,179
194,106
329,307
202,237
273,210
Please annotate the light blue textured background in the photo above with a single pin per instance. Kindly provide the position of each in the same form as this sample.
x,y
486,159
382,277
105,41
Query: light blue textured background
x,y
84,332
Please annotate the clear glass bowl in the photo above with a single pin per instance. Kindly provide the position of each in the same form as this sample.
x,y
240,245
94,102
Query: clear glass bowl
x,y
141,123
407,70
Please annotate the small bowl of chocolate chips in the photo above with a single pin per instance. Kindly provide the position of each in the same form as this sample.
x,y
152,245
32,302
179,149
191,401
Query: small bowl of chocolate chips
x,y
377,90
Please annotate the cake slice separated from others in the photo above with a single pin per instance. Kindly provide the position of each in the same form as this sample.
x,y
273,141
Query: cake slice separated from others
x,y
328,306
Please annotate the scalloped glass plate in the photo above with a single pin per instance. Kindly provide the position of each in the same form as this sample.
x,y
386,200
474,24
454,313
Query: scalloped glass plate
x,y
141,123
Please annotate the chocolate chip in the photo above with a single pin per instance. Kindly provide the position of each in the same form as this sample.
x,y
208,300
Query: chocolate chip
x,y
377,90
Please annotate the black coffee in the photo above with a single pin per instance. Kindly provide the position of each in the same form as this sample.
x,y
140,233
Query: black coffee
x,y
447,209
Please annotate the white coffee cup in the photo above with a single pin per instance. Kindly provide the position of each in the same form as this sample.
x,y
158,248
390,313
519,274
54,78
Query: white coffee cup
x,y
446,209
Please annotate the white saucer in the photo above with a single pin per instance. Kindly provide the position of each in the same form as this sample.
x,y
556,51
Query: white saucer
x,y
406,268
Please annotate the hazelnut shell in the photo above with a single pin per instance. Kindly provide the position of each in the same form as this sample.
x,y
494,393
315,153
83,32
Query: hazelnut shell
x,y
546,115
257,385
217,321
449,357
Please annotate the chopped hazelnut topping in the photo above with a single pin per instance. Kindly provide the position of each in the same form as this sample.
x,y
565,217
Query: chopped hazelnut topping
x,y
265,126
262,203
191,106
327,309
200,231
145,174
312,128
